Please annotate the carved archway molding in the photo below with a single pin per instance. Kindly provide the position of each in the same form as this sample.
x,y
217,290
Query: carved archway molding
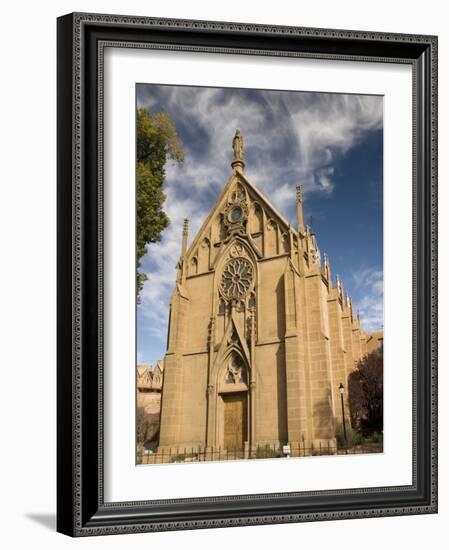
x,y
225,252
222,371
233,342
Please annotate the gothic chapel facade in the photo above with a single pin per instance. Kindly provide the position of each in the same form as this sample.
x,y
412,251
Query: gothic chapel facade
x,y
259,337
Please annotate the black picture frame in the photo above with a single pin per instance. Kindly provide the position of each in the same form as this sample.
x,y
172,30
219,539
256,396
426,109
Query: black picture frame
x,y
81,509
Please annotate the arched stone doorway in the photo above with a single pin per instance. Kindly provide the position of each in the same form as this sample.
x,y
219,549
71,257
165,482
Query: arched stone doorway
x,y
233,403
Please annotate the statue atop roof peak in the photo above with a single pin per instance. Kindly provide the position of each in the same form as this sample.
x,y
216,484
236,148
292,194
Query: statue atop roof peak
x,y
237,145
239,152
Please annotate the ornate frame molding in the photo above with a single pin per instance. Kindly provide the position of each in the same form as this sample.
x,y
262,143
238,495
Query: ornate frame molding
x,y
81,42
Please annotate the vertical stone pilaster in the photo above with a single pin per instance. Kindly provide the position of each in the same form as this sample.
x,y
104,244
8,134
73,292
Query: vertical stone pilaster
x,y
294,362
346,323
363,347
321,402
252,383
210,421
337,352
356,343
252,414
171,405
347,339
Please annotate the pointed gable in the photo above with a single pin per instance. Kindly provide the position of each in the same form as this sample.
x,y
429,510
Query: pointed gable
x,y
240,210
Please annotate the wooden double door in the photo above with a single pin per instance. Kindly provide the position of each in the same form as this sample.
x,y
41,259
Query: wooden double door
x,y
235,420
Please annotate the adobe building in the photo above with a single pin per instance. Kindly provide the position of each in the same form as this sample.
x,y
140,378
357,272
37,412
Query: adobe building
x,y
260,337
149,387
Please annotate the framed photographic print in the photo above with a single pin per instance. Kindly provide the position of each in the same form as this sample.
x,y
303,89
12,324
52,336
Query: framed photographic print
x,y
246,274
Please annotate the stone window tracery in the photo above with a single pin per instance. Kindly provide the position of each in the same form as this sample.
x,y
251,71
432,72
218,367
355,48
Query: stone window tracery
x,y
252,300
236,279
235,370
236,250
240,306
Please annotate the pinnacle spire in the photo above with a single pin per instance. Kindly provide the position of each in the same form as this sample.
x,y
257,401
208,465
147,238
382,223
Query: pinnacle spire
x,y
185,235
299,208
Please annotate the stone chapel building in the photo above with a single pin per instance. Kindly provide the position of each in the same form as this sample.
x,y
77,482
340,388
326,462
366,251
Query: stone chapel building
x,y
259,337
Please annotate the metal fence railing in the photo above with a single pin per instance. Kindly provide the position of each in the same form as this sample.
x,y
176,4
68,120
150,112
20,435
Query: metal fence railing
x,y
174,455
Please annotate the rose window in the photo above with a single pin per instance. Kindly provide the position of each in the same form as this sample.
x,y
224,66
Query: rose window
x,y
235,214
237,278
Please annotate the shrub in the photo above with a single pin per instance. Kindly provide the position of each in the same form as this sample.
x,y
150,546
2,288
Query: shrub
x,y
266,452
183,457
352,437
375,437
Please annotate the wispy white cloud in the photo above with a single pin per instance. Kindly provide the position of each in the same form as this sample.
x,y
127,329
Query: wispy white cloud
x,y
325,126
324,179
369,285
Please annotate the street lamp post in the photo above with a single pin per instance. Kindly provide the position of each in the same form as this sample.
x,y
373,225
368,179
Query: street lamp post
x,y
341,388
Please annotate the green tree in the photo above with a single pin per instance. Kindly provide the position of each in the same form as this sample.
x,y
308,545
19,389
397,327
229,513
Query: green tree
x,y
157,142
365,387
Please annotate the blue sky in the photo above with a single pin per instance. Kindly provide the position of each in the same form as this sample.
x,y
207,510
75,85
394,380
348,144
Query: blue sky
x,y
331,144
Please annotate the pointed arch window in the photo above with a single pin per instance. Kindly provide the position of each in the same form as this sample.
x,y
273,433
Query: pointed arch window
x,y
256,219
285,243
194,266
203,256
